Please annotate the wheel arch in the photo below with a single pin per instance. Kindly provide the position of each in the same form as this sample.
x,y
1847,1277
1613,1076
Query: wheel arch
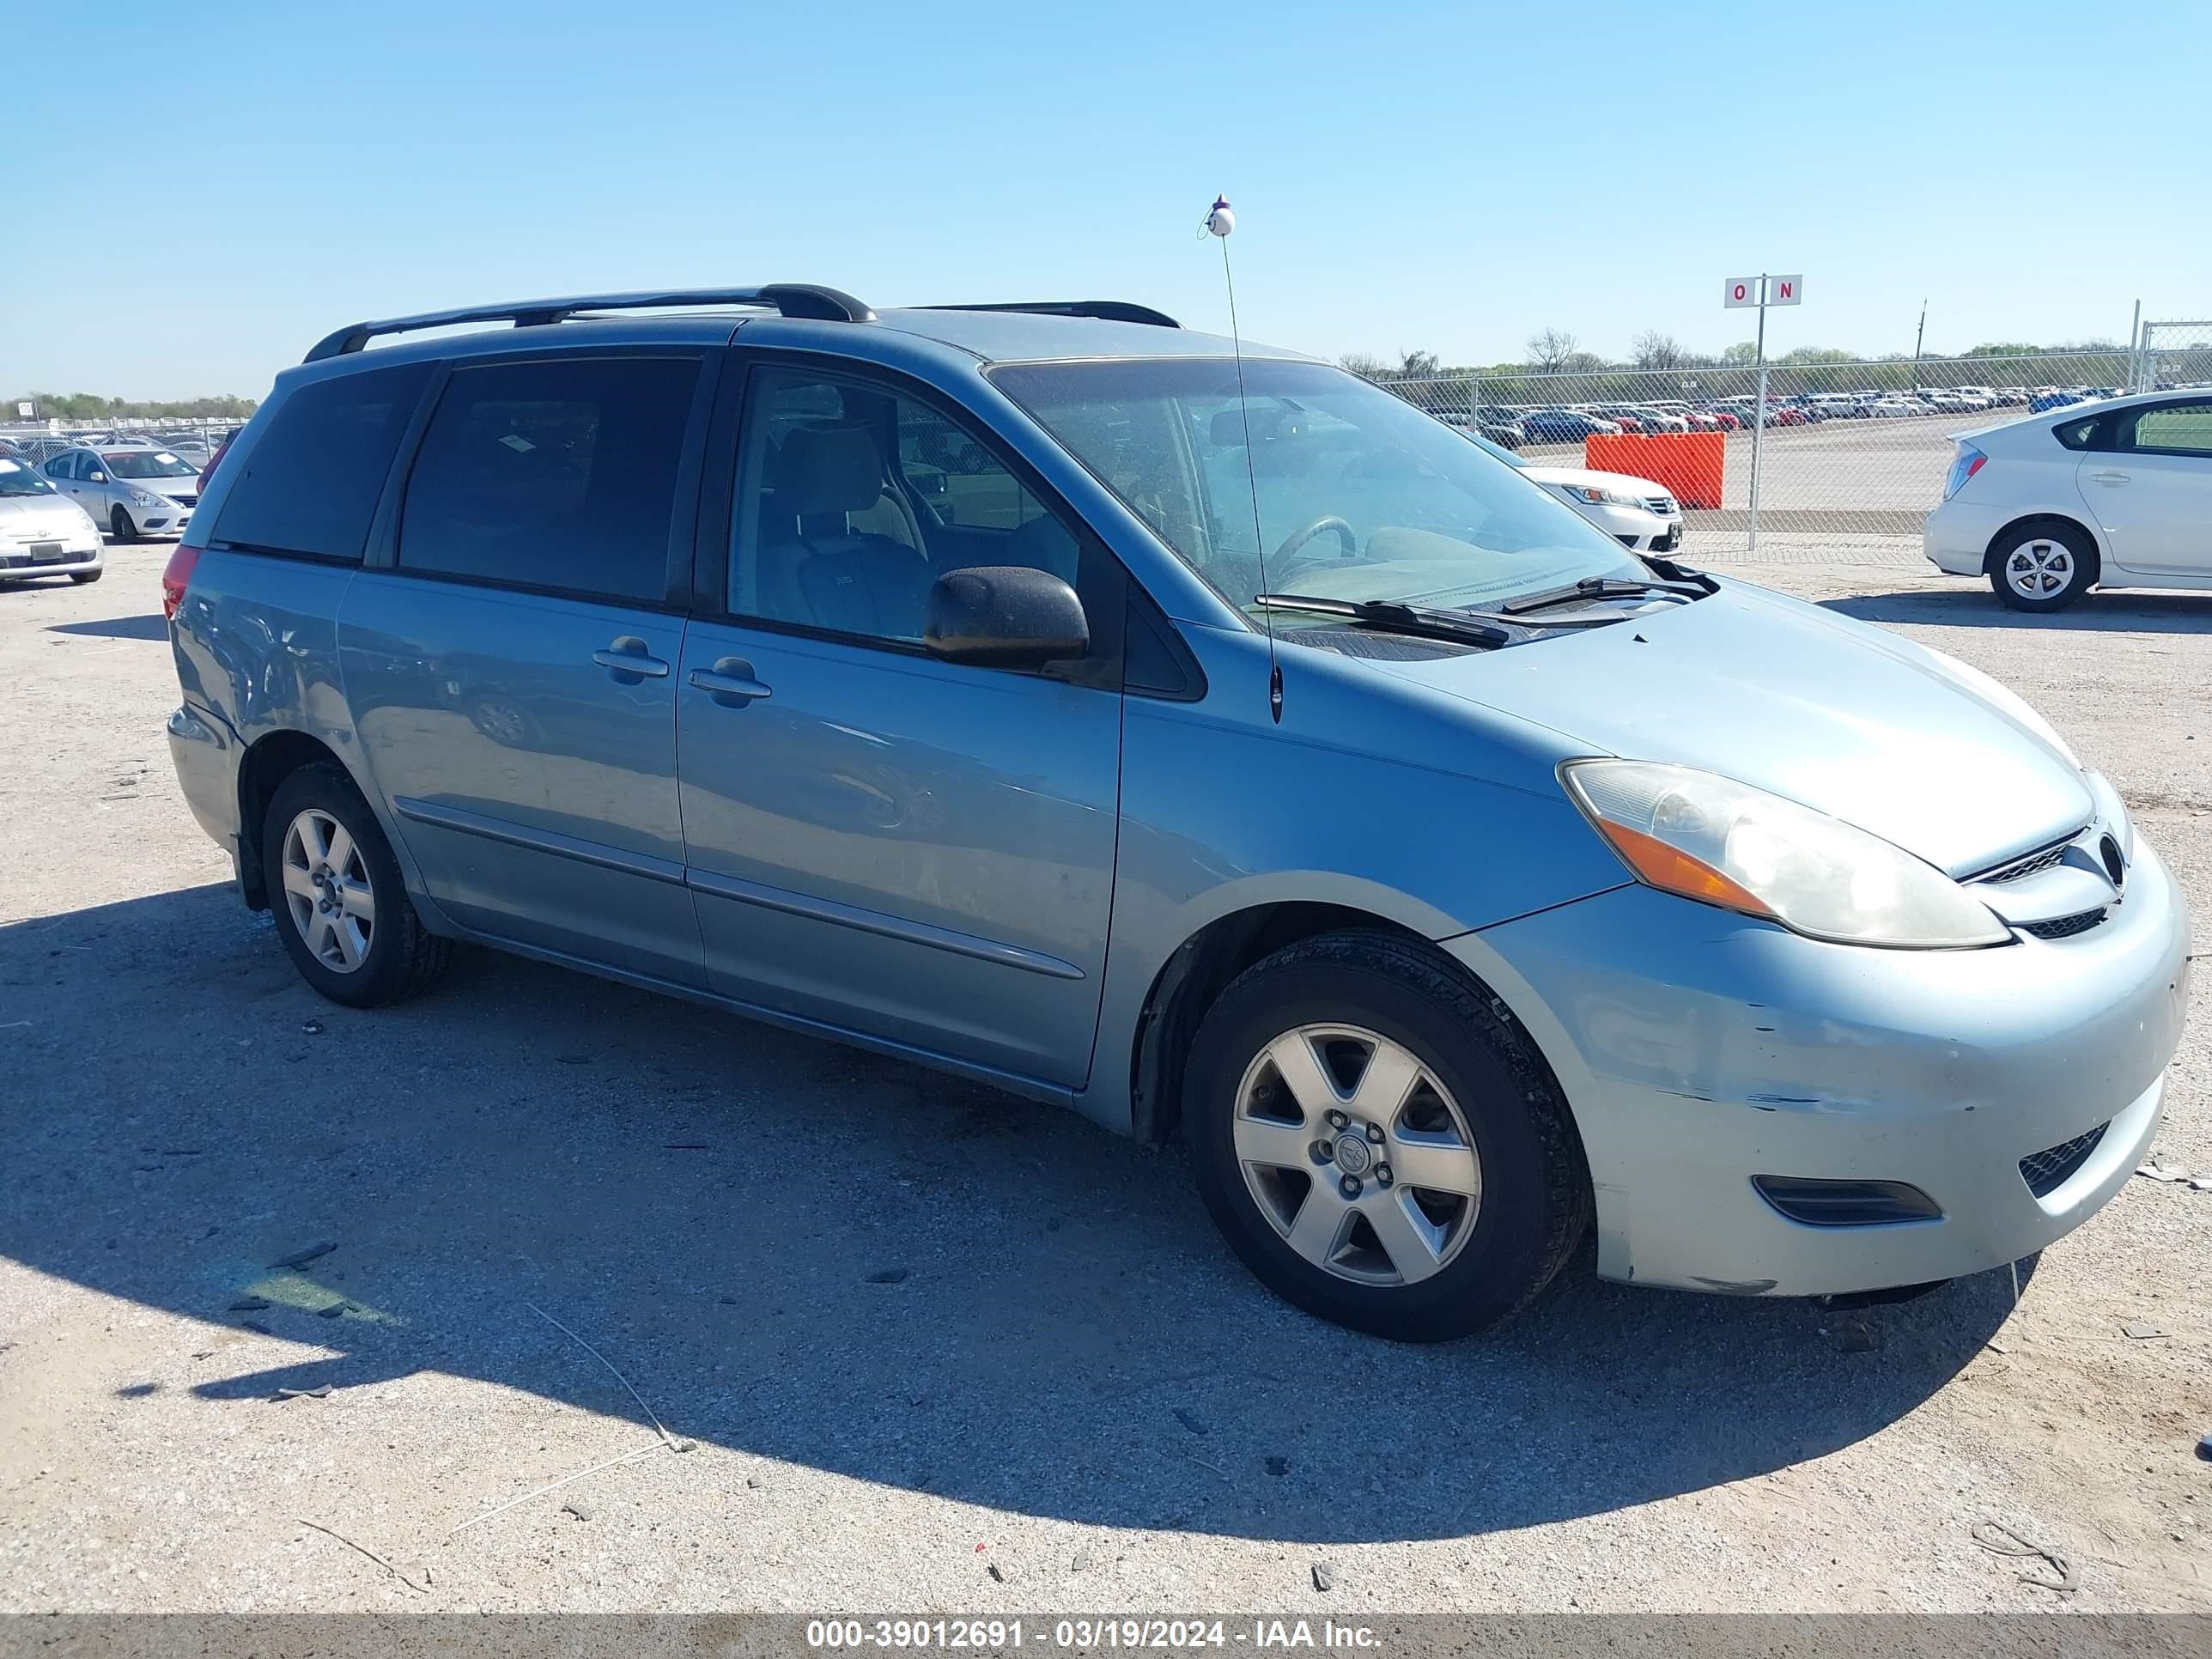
x,y
2001,542
261,770
1197,971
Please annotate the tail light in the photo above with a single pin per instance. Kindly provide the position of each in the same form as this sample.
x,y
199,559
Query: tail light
x,y
1967,462
176,576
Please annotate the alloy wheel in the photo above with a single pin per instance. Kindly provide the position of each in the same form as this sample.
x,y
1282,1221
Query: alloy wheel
x,y
2039,569
328,892
1357,1154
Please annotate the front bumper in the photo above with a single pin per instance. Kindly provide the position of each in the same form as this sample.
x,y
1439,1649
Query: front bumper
x,y
55,556
1633,527
1700,1049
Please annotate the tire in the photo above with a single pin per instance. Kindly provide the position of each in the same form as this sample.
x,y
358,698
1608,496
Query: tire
x,y
1469,1072
2042,566
365,962
85,578
120,527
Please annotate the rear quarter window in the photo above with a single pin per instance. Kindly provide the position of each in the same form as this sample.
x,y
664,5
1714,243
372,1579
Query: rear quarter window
x,y
309,484
2078,434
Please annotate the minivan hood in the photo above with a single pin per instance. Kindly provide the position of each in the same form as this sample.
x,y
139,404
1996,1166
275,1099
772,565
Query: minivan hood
x,y
1833,714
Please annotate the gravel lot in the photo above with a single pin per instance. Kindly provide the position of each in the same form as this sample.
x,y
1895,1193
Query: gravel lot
x,y
937,1349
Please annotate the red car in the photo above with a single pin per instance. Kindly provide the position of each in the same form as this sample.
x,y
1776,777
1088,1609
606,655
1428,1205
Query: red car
x,y
1728,422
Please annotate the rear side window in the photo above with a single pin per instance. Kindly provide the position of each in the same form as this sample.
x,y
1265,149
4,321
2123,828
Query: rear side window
x,y
2174,429
557,474
2078,434
309,484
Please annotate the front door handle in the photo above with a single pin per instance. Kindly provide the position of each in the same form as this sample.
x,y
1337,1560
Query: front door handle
x,y
2108,476
730,682
628,662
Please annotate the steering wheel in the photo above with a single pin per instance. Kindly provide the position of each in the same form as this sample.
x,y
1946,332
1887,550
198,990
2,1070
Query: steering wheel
x,y
1328,523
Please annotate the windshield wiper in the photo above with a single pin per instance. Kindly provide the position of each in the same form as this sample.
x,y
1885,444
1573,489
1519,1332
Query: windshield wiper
x,y
1604,587
1462,627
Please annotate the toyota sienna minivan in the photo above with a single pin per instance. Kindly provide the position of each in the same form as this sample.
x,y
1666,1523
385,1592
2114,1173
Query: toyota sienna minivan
x,y
1219,746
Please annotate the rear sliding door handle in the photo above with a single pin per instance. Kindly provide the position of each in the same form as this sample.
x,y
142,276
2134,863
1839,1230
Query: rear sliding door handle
x,y
628,660
730,682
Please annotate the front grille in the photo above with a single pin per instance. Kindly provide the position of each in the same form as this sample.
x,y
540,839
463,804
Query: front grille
x,y
186,501
2047,1172
2033,863
1662,505
2065,927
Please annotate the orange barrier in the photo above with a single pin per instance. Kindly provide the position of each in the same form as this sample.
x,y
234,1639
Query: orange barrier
x,y
1687,463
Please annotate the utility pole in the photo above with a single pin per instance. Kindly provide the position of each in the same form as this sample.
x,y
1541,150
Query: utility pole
x,y
1918,335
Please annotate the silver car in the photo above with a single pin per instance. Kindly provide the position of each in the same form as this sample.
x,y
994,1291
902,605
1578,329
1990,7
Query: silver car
x,y
133,489
1217,746
42,531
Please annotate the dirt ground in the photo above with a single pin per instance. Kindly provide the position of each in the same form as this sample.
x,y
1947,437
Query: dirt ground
x,y
918,1346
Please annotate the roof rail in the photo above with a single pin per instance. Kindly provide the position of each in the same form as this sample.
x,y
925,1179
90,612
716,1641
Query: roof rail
x,y
1105,311
790,298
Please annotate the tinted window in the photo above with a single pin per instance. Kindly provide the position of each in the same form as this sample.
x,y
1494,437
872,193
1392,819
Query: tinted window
x,y
309,484
853,498
62,466
2176,428
559,475
2077,434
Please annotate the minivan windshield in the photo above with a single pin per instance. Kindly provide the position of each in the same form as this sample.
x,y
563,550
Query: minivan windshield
x,y
1357,496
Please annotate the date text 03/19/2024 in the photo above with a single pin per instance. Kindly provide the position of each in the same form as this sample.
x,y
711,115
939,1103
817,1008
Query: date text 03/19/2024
x,y
1083,1635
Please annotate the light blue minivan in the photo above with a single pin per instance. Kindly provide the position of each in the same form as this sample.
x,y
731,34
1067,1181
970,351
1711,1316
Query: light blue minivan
x,y
1207,740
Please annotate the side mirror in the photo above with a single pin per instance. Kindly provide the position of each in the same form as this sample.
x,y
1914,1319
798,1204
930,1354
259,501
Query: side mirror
x,y
95,477
1005,616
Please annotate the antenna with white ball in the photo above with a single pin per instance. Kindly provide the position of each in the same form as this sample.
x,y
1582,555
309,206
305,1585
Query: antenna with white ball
x,y
1220,220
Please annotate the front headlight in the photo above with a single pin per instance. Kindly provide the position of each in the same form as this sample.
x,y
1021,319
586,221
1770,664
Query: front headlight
x,y
1722,842
1596,496
140,498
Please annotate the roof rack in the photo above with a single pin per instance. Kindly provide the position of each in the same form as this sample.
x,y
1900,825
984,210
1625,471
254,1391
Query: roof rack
x,y
790,298
1105,311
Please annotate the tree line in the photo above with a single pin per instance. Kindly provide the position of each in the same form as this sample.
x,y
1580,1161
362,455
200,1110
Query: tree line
x,y
1557,351
91,406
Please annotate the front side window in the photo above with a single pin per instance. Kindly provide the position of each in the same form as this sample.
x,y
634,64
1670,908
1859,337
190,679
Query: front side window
x,y
1348,492
63,467
557,474
853,498
2174,429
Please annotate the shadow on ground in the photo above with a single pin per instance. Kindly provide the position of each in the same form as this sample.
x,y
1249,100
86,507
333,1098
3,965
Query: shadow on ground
x,y
1977,607
820,1256
117,627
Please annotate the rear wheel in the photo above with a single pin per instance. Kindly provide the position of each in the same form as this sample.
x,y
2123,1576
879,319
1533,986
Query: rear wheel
x,y
1380,1142
340,903
120,527
2042,567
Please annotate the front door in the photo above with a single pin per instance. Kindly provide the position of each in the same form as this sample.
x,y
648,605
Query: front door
x,y
879,840
2153,490
513,679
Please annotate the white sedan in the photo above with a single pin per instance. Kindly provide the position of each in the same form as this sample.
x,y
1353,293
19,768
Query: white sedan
x,y
2111,494
1641,515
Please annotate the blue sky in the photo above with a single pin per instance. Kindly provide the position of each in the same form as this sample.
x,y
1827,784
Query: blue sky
x,y
1451,176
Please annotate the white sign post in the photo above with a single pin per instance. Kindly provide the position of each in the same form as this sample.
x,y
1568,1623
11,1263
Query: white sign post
x,y
26,411
1762,291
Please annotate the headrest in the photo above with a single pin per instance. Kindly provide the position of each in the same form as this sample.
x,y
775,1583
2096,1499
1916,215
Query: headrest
x,y
828,469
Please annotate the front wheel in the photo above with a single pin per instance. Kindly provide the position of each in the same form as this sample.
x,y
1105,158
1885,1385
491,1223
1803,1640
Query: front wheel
x,y
340,903
2043,567
1380,1142
120,527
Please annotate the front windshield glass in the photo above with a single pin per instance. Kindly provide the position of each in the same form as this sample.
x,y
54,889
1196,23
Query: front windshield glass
x,y
16,479
145,464
1499,450
1358,494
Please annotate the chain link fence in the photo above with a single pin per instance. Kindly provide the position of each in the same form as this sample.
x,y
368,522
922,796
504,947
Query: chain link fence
x,y
1848,449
